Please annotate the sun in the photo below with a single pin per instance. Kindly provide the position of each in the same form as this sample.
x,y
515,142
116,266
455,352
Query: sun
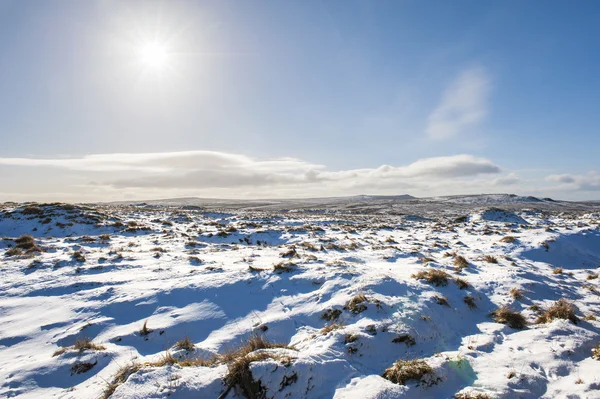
x,y
154,55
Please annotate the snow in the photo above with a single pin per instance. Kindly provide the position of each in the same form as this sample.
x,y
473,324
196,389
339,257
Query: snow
x,y
210,276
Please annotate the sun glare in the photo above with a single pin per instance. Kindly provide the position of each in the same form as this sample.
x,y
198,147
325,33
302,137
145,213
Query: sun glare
x,y
154,56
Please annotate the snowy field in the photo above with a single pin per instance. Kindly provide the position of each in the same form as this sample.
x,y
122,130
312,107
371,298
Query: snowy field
x,y
126,301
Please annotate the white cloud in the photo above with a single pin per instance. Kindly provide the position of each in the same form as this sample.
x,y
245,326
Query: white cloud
x,y
589,182
213,174
508,180
464,104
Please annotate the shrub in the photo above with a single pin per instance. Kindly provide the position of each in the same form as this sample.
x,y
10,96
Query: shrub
x,y
433,276
405,370
561,309
511,318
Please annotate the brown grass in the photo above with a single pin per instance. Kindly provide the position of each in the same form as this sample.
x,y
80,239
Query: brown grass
x,y
470,301
460,263
490,259
357,304
472,395
405,370
509,317
81,345
145,330
461,283
331,314
561,309
508,239
331,327
516,293
120,377
433,276
284,267
557,270
406,339
185,344
596,352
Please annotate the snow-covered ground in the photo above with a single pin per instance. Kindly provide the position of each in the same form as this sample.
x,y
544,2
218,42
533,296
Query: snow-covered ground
x,y
339,292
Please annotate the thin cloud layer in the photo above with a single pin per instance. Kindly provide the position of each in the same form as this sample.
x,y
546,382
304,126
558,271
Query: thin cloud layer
x,y
464,104
589,182
210,169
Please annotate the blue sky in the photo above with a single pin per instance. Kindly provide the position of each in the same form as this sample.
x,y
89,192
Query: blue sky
x,y
112,100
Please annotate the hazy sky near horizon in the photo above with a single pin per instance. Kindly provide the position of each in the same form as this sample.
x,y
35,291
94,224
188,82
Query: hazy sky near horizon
x,y
113,100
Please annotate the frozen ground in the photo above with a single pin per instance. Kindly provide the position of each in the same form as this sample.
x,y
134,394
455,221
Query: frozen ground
x,y
334,283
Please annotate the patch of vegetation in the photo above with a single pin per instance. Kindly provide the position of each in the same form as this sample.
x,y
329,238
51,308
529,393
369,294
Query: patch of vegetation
x,y
596,352
145,330
470,301
433,276
461,283
406,370
490,259
120,377
509,317
81,345
78,256
561,309
516,293
508,239
557,270
284,267
185,344
441,300
460,263
331,314
472,395
357,304
331,327
406,339
82,367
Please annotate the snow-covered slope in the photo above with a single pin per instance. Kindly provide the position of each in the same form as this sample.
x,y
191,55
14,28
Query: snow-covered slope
x,y
344,296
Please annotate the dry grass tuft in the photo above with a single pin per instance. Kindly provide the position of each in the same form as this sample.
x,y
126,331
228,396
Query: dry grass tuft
x,y
83,344
472,395
284,267
509,317
433,276
331,314
592,276
470,301
516,293
460,263
508,239
405,370
406,339
145,330
78,256
357,304
120,377
238,365
441,300
561,309
185,344
461,283
82,367
557,270
331,327
596,352
490,259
